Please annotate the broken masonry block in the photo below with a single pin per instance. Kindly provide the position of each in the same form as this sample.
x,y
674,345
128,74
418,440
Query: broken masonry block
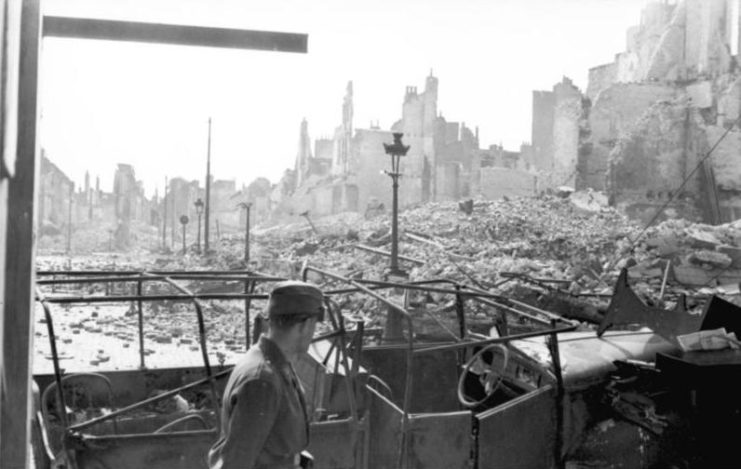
x,y
714,258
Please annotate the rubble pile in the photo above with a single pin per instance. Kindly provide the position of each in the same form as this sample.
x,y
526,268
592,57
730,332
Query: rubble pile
x,y
702,257
546,237
554,252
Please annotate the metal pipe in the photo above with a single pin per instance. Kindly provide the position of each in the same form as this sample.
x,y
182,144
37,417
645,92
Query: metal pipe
x,y
377,284
496,340
524,305
395,224
556,361
158,397
125,298
140,314
82,273
387,254
663,282
62,405
205,278
512,310
204,350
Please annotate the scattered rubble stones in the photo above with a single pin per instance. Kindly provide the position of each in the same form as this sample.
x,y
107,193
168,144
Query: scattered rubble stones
x,y
580,243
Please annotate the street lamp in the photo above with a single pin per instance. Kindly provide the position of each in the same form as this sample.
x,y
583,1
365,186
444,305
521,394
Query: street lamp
x,y
184,221
199,211
396,150
246,206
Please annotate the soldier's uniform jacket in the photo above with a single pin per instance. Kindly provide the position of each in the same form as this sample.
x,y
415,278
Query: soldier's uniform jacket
x,y
264,420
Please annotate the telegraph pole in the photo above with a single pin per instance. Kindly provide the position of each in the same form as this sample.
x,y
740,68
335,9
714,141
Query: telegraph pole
x,y
208,189
164,217
69,218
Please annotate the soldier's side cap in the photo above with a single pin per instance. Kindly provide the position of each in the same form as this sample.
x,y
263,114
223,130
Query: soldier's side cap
x,y
293,297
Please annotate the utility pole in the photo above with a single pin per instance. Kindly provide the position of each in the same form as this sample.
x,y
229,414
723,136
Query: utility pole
x,y
164,217
208,189
172,222
246,206
199,212
69,218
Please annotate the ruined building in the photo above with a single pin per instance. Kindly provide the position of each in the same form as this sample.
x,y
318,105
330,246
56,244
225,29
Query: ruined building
x,y
648,119
444,162
56,191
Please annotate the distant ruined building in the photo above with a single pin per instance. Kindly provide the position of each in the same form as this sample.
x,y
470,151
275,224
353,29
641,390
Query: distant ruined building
x,y
444,162
649,118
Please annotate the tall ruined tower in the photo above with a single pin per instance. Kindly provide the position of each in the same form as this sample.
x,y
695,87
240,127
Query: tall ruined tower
x,y
304,153
88,196
419,117
342,161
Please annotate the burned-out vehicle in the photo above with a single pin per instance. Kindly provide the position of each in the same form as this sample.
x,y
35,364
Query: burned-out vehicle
x,y
437,385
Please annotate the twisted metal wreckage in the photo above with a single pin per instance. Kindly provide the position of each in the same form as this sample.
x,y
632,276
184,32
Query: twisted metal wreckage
x,y
439,391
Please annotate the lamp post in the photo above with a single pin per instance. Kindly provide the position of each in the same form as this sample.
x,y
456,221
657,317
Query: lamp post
x,y
396,150
199,211
246,206
184,221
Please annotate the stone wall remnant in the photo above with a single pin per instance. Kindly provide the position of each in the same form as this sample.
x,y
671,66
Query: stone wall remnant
x,y
557,118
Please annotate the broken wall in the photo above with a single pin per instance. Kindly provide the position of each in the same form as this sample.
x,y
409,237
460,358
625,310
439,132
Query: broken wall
x,y
613,115
726,164
55,190
448,181
600,77
653,160
695,42
556,124
373,161
542,129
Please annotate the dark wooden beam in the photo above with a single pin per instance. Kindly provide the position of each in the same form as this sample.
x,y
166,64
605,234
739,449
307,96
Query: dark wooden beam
x,y
18,320
112,30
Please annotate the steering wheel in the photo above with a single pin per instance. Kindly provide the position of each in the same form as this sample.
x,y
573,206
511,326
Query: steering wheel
x,y
490,378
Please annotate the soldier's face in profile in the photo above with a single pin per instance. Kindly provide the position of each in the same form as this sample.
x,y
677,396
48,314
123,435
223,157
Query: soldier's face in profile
x,y
306,333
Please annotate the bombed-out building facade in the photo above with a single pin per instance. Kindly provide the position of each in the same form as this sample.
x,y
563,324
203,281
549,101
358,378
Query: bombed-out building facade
x,y
658,127
444,162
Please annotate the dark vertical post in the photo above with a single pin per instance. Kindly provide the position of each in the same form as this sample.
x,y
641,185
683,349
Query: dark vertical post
x,y
69,218
18,278
172,222
184,221
461,316
247,233
208,189
556,360
395,226
140,313
164,217
198,240
247,238
396,150
199,211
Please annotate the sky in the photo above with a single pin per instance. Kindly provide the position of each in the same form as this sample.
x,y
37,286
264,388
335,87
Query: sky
x,y
104,102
